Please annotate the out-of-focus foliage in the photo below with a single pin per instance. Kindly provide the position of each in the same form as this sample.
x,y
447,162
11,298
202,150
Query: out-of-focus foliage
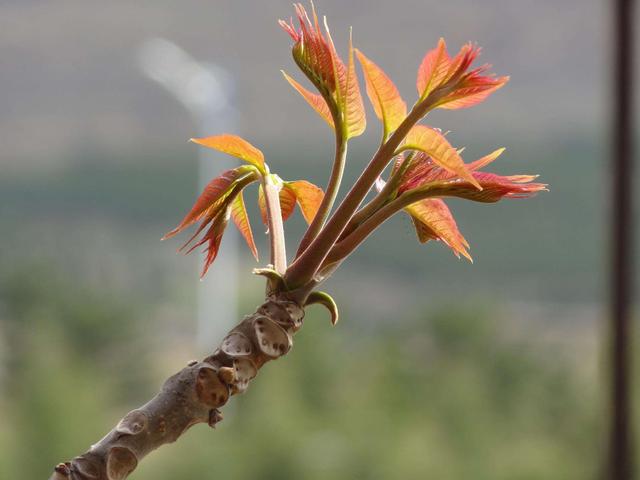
x,y
445,395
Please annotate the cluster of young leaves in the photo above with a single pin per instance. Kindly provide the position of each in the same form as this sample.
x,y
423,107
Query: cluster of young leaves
x,y
426,168
223,198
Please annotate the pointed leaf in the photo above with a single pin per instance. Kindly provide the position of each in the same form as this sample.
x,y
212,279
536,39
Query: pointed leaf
x,y
433,70
383,94
433,221
234,146
213,238
210,199
486,160
309,197
355,119
434,144
494,187
317,102
324,299
241,219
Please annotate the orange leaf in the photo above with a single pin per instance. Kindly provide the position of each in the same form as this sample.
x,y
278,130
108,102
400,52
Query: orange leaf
x,y
241,219
434,144
434,69
355,119
309,197
316,101
234,146
287,203
433,220
383,94
486,160
211,198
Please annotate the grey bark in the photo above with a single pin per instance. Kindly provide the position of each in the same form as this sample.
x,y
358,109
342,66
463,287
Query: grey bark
x,y
193,395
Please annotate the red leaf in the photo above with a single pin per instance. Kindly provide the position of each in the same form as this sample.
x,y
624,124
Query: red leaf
x,y
317,57
423,169
494,187
383,94
311,51
471,91
309,197
463,88
241,219
213,237
211,198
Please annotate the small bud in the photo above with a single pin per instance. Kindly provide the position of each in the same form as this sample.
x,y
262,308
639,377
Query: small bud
x,y
227,375
215,417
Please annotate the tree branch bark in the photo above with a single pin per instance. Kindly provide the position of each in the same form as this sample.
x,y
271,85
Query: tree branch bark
x,y
193,395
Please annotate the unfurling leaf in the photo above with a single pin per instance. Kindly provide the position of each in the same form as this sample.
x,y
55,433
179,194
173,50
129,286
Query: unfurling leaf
x,y
235,146
318,59
211,198
309,197
494,187
383,94
472,90
460,88
213,238
434,144
316,101
324,299
241,219
311,50
422,170
433,221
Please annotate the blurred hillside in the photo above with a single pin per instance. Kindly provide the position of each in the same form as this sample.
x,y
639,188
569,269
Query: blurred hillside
x,y
446,392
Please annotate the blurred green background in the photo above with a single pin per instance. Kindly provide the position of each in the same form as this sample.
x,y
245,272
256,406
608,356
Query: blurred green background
x,y
438,368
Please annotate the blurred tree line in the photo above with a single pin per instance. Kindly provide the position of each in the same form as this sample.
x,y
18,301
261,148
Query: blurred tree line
x,y
442,395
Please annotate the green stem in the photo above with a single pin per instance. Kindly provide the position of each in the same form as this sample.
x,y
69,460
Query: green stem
x,y
306,265
346,246
330,195
386,194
